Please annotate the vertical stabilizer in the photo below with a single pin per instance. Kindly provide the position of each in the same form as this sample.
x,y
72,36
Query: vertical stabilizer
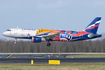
x,y
93,26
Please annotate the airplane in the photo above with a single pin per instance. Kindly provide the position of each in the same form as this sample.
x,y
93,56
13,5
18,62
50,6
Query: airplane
x,y
41,35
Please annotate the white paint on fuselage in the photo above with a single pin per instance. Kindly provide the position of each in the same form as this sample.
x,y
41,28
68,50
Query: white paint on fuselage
x,y
19,32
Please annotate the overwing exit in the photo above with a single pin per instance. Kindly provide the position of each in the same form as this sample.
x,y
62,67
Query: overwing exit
x,y
40,35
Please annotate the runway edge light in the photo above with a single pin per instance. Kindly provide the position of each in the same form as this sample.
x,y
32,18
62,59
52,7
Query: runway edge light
x,y
54,62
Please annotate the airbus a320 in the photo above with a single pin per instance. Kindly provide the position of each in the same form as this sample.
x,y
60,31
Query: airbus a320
x,y
41,35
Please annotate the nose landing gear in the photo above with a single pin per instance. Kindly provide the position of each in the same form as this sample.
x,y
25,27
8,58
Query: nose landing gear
x,y
15,40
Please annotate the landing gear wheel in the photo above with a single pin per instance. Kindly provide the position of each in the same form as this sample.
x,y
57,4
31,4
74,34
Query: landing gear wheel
x,y
48,44
15,40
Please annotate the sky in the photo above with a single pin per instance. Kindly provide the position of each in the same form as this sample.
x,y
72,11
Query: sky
x,y
50,14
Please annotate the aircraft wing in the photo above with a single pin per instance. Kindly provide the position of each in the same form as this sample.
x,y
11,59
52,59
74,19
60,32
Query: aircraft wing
x,y
51,36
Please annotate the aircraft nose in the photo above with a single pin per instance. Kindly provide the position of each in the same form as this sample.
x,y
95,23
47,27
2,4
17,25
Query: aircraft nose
x,y
4,33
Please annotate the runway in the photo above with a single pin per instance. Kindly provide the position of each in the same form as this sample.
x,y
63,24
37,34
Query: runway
x,y
42,55
45,57
45,60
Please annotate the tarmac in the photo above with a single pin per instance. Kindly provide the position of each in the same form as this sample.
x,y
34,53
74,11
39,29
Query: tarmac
x,y
45,57
45,60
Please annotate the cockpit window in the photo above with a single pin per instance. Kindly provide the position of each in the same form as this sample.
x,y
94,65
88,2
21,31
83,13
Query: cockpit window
x,y
8,30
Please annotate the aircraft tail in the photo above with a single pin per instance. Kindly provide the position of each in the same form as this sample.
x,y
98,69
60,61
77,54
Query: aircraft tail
x,y
93,26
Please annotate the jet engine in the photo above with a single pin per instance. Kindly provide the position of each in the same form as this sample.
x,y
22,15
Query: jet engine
x,y
94,36
37,39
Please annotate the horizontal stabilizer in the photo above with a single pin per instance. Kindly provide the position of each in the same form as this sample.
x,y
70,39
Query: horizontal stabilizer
x,y
96,35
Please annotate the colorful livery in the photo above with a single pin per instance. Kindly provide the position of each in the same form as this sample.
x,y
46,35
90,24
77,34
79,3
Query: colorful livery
x,y
39,35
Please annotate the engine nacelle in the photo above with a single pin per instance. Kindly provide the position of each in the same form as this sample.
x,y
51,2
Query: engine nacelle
x,y
37,39
94,36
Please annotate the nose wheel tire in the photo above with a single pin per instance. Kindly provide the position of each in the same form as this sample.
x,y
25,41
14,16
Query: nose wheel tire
x,y
15,40
48,44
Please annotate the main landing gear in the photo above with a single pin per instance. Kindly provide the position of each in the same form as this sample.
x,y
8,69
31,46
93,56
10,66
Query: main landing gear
x,y
48,44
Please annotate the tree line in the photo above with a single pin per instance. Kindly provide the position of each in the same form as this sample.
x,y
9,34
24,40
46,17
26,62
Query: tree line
x,y
8,46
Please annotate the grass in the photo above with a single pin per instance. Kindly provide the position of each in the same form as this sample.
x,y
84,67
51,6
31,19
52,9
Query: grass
x,y
87,56
62,66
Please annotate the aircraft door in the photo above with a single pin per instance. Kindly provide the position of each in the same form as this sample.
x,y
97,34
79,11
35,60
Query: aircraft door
x,y
15,31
